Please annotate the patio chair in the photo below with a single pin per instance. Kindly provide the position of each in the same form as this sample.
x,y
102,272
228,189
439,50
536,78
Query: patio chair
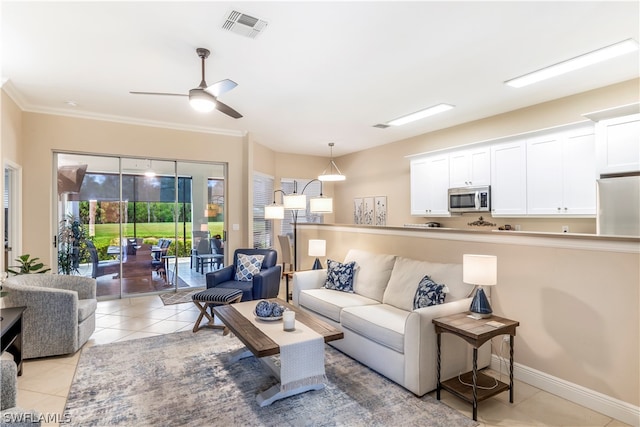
x,y
104,267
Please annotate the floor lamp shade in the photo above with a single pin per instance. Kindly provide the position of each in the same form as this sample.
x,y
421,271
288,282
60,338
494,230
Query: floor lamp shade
x,y
480,270
317,248
274,212
321,204
295,201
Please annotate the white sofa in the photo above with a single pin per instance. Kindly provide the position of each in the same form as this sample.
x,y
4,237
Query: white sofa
x,y
381,328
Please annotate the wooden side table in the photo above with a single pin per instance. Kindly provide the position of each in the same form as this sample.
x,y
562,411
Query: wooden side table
x,y
476,332
12,333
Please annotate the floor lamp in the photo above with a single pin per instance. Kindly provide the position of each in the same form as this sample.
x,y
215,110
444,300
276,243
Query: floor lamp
x,y
296,202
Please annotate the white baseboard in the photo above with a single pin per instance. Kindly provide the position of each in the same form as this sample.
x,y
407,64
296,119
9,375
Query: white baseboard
x,y
591,399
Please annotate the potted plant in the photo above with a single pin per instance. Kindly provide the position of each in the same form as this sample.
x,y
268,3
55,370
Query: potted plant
x,y
71,245
28,265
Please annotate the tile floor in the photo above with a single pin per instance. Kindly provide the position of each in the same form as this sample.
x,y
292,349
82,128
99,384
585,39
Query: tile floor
x,y
45,382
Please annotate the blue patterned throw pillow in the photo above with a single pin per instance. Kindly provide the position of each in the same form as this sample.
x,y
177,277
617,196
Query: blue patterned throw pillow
x,y
248,266
429,293
340,276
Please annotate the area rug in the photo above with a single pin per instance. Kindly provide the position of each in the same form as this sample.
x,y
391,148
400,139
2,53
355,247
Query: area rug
x,y
179,297
186,379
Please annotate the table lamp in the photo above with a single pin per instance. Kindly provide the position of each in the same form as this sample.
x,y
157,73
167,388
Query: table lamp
x,y
317,248
480,270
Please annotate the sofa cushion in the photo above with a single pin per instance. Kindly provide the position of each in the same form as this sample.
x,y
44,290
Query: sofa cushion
x,y
340,276
86,307
406,276
373,272
247,267
329,303
429,293
381,323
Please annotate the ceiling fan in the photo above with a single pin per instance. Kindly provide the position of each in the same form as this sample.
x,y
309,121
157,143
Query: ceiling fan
x,y
205,98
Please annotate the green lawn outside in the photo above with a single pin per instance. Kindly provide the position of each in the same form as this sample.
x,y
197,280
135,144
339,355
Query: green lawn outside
x,y
109,234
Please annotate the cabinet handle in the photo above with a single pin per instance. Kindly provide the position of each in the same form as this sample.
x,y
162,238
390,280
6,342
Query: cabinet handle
x,y
559,209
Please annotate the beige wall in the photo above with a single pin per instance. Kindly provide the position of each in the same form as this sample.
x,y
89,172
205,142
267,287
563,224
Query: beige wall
x,y
43,134
384,170
577,304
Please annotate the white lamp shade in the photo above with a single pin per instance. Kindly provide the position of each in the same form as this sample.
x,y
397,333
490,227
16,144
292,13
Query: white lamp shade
x,y
295,201
274,212
321,204
317,247
332,177
480,269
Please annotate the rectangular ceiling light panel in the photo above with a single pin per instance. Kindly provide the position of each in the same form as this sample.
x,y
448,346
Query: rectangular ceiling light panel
x,y
612,51
244,25
420,114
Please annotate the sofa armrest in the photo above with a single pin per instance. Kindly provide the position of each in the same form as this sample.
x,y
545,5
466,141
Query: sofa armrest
x,y
311,279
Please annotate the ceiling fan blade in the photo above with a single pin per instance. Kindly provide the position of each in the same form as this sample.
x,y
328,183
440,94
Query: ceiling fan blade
x,y
158,93
224,108
223,86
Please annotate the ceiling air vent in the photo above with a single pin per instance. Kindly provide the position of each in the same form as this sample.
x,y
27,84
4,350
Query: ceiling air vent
x,y
244,25
381,126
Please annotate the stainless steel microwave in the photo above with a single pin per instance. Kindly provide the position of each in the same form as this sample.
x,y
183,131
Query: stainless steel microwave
x,y
470,199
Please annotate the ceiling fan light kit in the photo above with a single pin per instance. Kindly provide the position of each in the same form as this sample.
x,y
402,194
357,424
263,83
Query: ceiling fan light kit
x,y
205,98
201,101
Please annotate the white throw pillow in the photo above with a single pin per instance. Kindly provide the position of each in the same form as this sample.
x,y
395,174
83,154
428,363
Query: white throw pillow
x,y
372,274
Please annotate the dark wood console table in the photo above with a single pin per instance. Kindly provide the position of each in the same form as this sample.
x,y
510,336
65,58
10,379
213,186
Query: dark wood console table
x,y
475,386
12,333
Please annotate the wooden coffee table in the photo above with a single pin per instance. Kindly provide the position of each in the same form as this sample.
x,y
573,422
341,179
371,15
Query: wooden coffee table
x,y
260,345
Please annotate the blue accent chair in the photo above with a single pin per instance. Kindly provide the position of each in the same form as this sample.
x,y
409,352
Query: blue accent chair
x,y
265,284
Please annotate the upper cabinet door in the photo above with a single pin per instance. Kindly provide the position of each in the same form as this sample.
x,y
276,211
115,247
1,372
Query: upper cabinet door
x,y
561,177
618,144
429,185
509,178
470,167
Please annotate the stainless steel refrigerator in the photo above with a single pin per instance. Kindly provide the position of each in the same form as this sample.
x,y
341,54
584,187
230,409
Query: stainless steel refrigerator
x,y
619,204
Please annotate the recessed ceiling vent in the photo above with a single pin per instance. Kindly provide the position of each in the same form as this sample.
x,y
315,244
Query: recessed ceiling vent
x,y
245,25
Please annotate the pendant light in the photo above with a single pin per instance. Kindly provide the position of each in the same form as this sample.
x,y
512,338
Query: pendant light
x,y
331,173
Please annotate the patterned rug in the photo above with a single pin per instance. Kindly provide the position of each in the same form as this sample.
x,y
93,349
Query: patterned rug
x,y
185,379
179,297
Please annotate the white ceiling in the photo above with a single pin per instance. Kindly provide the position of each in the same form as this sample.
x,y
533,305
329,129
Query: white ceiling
x,y
320,72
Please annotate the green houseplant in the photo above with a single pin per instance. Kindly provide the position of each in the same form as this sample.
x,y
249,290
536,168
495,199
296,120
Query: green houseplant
x,y
71,245
28,265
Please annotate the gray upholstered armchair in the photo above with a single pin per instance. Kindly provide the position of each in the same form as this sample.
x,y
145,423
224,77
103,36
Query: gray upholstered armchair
x,y
10,414
265,284
60,315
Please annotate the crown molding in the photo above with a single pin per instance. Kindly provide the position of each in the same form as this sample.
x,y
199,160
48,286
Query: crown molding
x,y
17,97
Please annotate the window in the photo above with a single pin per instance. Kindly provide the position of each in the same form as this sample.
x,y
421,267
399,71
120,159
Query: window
x,y
311,190
262,196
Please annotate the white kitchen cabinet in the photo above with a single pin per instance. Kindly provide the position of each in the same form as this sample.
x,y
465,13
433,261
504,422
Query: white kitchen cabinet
x,y
470,167
618,144
561,173
429,185
509,178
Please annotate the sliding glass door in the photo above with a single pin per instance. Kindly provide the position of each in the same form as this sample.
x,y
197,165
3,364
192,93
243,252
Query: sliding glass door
x,y
135,224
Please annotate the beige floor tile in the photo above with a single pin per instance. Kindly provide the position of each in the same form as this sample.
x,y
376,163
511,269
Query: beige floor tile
x,y
133,311
109,320
45,376
50,407
167,326
552,410
133,323
186,316
107,336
